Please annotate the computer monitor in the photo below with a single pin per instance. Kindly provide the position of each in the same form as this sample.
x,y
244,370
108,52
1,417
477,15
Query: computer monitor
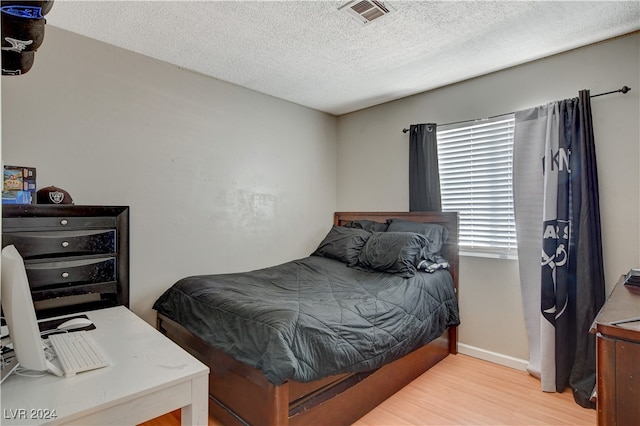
x,y
20,314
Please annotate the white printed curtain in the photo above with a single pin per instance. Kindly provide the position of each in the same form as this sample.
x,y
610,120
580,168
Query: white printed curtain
x,y
559,242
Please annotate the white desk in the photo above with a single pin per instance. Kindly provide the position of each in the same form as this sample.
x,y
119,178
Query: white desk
x,y
149,376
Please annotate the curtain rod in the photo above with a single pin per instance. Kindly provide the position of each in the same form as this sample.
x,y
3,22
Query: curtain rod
x,y
622,90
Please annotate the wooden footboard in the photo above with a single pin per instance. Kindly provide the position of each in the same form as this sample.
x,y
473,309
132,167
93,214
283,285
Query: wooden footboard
x,y
239,394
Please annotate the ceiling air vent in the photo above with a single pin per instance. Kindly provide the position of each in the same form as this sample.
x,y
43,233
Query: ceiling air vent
x,y
365,11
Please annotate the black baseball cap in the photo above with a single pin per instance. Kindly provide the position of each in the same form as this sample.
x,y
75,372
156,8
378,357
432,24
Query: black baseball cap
x,y
14,63
53,195
22,28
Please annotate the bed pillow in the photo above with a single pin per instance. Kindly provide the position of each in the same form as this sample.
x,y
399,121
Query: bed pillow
x,y
343,244
393,252
436,234
367,225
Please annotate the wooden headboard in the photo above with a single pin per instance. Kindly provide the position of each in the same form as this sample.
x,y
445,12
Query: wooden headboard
x,y
447,219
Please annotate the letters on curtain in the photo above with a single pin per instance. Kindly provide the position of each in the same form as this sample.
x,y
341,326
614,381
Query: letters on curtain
x,y
559,242
424,175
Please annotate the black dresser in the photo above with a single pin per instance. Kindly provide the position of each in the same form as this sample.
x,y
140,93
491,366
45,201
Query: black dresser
x,y
76,257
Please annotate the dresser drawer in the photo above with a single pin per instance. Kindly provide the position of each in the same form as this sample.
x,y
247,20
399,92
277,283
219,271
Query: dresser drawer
x,y
57,222
73,272
33,245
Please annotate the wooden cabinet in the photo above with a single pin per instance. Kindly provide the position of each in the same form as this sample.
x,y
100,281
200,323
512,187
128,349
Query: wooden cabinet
x,y
618,349
76,257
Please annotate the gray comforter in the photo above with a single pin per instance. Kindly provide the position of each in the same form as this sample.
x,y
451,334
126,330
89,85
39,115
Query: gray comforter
x,y
313,317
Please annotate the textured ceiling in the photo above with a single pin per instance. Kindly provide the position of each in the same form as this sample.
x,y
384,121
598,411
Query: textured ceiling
x,y
310,53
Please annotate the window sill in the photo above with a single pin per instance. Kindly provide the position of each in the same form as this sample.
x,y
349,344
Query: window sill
x,y
466,253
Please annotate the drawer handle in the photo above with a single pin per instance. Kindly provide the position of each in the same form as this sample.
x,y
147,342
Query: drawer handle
x,y
65,244
65,275
63,222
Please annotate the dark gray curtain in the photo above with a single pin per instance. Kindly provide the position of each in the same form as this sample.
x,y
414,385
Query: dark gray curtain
x,y
555,164
424,176
589,270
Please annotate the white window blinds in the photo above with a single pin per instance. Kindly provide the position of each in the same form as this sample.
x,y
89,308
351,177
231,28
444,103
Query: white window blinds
x,y
475,163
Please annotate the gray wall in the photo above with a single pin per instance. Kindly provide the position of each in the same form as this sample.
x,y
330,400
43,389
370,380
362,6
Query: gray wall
x,y
219,178
373,171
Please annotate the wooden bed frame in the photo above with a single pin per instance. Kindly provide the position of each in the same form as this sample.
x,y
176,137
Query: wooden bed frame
x,y
239,394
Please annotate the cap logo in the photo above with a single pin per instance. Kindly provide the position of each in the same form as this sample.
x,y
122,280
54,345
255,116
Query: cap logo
x,y
56,197
29,12
16,45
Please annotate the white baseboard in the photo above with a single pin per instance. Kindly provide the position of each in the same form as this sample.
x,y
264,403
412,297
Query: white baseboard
x,y
496,358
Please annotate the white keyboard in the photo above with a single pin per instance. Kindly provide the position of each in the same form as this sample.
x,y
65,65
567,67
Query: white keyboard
x,y
76,352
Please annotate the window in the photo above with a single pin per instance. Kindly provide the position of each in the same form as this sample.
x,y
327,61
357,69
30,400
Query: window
x,y
475,178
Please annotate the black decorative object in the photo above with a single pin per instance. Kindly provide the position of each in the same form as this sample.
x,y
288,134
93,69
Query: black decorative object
x,y
45,6
22,33
632,278
14,63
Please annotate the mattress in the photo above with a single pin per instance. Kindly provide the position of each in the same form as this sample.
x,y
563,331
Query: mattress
x,y
313,317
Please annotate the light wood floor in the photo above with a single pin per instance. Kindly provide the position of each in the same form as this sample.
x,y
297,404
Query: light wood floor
x,y
462,390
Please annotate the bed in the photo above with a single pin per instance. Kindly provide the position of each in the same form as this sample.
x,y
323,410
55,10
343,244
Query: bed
x,y
226,322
